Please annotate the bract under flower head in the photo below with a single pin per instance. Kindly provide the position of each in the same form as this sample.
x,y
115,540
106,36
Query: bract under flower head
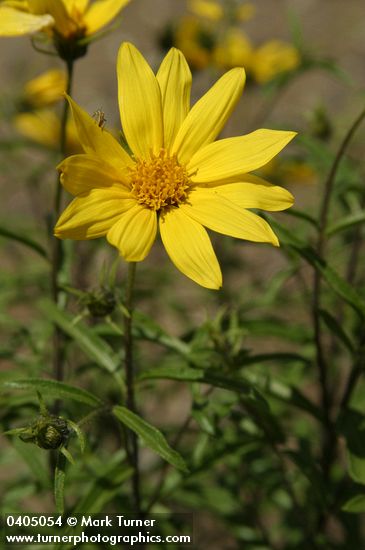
x,y
177,177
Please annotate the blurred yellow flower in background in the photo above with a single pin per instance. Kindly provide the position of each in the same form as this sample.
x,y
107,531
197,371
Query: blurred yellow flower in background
x,y
234,50
44,127
215,11
177,178
45,89
196,41
64,20
273,58
213,37
207,8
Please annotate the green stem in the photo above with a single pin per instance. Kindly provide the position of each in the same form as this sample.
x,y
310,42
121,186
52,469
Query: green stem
x,y
132,440
57,248
320,249
330,439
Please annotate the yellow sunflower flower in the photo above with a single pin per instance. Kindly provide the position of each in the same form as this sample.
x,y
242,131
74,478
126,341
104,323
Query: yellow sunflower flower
x,y
67,19
178,178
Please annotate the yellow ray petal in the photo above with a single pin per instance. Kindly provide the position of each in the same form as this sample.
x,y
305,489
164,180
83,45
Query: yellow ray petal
x,y
234,157
92,214
76,6
62,22
254,192
189,248
208,116
220,214
139,102
174,78
16,23
134,233
96,140
101,12
81,173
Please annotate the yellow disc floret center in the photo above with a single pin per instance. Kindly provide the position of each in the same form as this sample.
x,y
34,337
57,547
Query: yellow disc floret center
x,y
160,182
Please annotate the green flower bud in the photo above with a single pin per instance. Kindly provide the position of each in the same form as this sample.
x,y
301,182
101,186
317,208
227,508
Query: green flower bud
x,y
101,302
47,432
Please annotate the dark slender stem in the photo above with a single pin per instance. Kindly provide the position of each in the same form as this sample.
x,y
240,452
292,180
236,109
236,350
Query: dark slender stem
x,y
63,136
320,248
58,359
351,273
355,373
329,435
129,371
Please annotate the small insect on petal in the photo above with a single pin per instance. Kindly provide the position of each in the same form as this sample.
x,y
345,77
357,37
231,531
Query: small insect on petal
x,y
99,117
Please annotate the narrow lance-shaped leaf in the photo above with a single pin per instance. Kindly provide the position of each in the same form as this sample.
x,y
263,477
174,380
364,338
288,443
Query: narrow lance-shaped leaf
x,y
346,223
335,327
151,436
55,388
22,239
356,505
333,279
94,347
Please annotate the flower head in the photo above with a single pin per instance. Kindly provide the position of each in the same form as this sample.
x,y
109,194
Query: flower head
x,y
178,178
66,20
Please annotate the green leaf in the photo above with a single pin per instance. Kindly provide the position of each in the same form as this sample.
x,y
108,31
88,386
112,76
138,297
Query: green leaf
x,y
67,454
151,436
189,374
351,424
285,393
279,357
346,223
34,458
336,329
147,328
203,420
59,483
308,467
302,216
271,326
356,467
79,434
356,505
333,279
106,483
94,347
57,389
36,247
